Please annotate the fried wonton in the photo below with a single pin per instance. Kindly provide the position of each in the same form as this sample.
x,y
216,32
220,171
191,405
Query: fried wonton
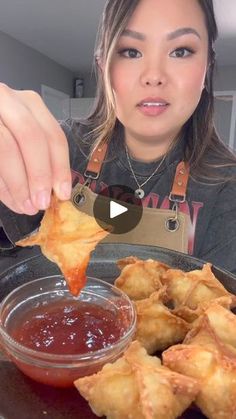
x,y
139,278
209,355
191,291
137,386
186,313
157,328
67,236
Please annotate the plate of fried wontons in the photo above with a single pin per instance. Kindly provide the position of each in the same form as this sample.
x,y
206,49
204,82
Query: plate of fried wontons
x,y
182,361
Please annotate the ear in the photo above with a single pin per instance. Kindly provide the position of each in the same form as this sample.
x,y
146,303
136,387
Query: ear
x,y
99,62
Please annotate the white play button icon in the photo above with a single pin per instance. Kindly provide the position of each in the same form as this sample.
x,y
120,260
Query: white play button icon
x,y
118,206
116,209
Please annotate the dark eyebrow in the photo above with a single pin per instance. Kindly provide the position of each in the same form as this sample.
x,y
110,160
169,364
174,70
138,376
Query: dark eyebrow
x,y
170,36
134,34
181,32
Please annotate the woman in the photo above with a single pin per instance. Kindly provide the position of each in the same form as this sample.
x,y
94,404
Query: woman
x,y
155,62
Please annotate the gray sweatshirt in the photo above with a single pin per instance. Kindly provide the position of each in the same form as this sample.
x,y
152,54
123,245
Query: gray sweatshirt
x,y
211,206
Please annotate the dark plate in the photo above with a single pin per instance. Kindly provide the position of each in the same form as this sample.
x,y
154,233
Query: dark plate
x,y
22,397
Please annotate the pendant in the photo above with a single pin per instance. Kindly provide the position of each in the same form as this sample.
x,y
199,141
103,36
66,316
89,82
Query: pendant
x,y
139,193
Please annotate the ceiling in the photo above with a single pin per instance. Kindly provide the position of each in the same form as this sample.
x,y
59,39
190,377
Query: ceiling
x,y
65,31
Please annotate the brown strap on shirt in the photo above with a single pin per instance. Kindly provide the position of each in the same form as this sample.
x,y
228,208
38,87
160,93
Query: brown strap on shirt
x,y
179,187
95,163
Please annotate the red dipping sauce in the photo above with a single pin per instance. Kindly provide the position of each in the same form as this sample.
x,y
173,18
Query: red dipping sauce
x,y
74,327
69,329
55,338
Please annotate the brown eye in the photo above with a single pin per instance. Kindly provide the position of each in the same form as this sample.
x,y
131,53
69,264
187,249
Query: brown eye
x,y
182,52
129,53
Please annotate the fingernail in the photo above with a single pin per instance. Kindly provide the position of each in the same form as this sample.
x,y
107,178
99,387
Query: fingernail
x,y
42,200
64,191
28,207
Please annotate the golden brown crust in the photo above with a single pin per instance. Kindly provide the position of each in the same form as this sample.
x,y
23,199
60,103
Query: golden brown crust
x,y
140,278
191,292
137,386
157,327
209,355
67,236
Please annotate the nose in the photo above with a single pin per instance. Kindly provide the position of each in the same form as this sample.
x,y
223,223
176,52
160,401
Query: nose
x,y
153,75
153,81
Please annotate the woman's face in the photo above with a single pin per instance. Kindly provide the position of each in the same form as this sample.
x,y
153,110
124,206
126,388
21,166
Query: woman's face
x,y
158,68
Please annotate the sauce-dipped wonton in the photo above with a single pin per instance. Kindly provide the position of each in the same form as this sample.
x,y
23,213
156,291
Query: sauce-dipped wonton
x,y
67,236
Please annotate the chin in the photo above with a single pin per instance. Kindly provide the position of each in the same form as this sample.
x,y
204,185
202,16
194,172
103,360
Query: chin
x,y
149,136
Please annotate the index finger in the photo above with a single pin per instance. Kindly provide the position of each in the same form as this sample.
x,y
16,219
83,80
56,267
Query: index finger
x,y
30,103
58,147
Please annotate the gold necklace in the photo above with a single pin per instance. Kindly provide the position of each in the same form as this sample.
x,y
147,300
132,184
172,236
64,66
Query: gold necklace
x,y
139,193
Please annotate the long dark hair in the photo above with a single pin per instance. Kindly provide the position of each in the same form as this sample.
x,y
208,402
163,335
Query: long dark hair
x,y
199,131
201,137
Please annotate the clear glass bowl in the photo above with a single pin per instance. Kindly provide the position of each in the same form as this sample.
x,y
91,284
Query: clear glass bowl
x,y
60,369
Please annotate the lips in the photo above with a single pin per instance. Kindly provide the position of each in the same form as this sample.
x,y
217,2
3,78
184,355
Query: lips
x,y
153,101
153,106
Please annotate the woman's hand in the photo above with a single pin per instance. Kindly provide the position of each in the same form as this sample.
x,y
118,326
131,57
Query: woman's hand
x,y
34,154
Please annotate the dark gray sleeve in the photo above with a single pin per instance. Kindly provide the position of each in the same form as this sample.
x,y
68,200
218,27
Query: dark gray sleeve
x,y
15,226
219,246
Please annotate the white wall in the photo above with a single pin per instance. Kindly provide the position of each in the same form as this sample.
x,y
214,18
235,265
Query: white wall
x,y
225,117
225,78
22,67
89,83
